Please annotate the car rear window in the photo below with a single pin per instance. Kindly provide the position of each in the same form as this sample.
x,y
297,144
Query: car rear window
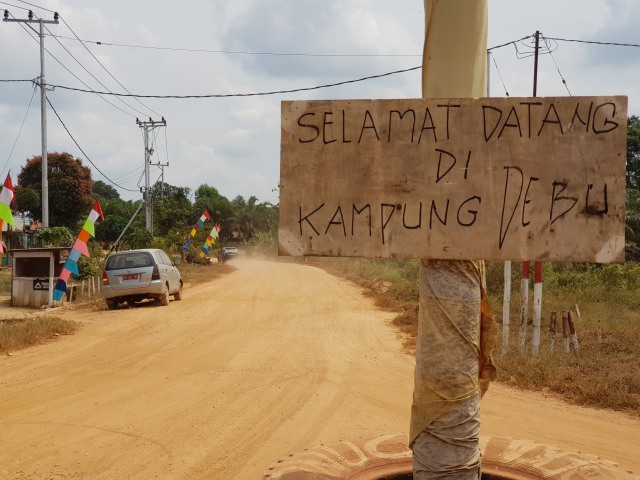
x,y
128,260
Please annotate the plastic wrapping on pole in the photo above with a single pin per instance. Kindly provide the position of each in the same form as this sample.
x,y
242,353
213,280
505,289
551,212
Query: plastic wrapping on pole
x,y
454,66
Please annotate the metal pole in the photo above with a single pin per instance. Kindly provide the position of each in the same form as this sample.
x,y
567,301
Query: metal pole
x,y
535,65
43,105
537,286
147,202
43,127
147,126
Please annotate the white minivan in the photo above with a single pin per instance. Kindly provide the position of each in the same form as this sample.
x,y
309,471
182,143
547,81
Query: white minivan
x,y
134,275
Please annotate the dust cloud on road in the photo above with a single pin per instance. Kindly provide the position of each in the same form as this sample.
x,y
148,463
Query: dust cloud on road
x,y
266,361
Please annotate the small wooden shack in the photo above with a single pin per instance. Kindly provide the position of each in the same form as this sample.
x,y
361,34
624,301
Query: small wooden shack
x,y
34,275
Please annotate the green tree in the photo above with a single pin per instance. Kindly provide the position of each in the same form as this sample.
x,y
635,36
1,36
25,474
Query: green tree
x,y
632,224
137,237
53,237
69,184
103,191
172,210
117,214
250,217
208,198
633,153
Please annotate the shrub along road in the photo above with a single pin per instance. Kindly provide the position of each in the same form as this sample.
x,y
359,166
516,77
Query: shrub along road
x,y
266,361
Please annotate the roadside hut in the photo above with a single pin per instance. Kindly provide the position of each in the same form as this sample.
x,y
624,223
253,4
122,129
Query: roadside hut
x,y
34,273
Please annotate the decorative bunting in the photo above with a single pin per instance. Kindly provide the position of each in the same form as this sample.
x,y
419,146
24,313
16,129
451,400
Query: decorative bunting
x,y
79,248
199,224
7,197
211,240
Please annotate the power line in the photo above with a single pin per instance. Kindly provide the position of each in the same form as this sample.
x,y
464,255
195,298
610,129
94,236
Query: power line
x,y
564,82
70,72
253,94
245,52
93,76
493,57
34,5
84,153
593,42
105,68
19,131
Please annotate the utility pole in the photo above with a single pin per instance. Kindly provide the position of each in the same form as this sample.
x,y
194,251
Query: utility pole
x,y
43,106
147,126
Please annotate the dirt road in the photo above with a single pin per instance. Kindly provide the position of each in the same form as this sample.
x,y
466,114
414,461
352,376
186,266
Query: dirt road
x,y
266,361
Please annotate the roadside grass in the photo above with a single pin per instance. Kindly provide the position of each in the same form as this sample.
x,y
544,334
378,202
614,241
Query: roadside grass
x,y
195,274
16,334
603,373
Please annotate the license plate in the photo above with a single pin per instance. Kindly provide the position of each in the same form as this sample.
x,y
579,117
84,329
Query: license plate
x,y
131,276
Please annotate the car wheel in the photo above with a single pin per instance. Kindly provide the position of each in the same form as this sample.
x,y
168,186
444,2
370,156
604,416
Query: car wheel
x,y
164,298
178,294
388,457
111,305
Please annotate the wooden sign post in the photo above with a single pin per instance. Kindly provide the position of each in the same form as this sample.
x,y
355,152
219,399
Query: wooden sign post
x,y
490,178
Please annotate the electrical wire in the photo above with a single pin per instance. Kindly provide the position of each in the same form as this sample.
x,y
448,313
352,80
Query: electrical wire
x,y
509,43
564,82
499,74
135,170
105,68
253,94
91,74
34,5
19,131
14,6
83,152
245,52
70,72
593,42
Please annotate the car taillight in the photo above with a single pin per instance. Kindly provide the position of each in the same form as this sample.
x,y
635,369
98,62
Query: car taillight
x,y
156,273
105,279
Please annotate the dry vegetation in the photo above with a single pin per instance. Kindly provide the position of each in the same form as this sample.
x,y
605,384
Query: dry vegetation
x,y
604,373
32,330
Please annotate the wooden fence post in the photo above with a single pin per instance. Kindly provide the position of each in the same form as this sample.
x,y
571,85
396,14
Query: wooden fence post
x,y
565,332
574,335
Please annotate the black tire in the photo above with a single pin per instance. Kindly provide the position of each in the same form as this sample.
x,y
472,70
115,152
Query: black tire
x,y
164,298
178,294
111,305
388,457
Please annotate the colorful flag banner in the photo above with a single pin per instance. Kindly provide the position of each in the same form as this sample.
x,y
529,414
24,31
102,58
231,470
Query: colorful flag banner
x,y
211,240
7,197
79,248
199,224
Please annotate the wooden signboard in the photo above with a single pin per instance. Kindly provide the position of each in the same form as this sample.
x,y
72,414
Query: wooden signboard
x,y
490,178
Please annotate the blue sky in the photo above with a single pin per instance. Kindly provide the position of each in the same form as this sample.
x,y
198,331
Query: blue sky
x,y
233,143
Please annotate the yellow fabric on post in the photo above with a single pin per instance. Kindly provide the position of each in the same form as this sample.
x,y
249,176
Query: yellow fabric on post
x,y
456,331
454,61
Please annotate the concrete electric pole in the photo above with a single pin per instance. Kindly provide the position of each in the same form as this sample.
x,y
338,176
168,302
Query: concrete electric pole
x,y
147,126
43,105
